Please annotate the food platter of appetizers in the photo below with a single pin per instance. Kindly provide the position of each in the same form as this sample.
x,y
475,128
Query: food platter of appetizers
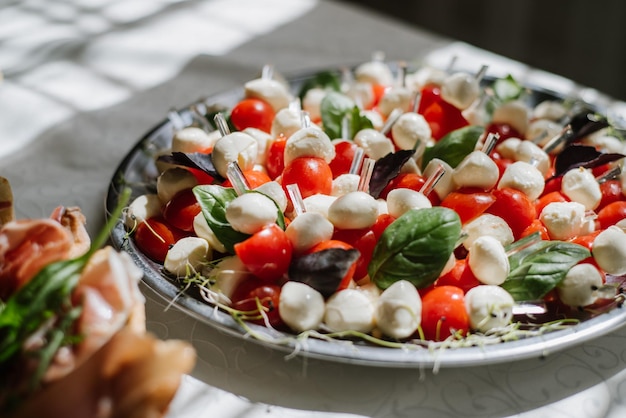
x,y
384,214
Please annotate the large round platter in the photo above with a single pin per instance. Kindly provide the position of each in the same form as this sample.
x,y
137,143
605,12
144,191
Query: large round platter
x,y
138,171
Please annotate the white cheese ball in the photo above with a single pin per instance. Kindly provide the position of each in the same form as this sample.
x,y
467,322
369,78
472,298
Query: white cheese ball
x,y
488,260
349,310
286,122
274,191
401,200
541,131
609,250
226,276
374,72
191,139
141,208
362,93
477,169
345,183
605,143
300,306
550,110
489,307
523,177
307,230
172,181
354,210
425,75
515,113
508,148
410,129
460,90
319,203
563,220
580,285
250,212
399,310
487,224
235,147
395,98
375,144
531,153
272,91
311,102
263,140
374,117
186,256
309,142
580,185
201,229
445,185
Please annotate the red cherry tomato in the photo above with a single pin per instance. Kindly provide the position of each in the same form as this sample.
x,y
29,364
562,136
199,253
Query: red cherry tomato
x,y
155,236
252,113
430,94
442,117
333,243
611,192
275,163
344,154
460,276
180,211
251,293
363,240
503,129
515,208
468,205
612,214
537,226
267,253
443,313
311,174
254,179
382,222
411,181
553,184
546,199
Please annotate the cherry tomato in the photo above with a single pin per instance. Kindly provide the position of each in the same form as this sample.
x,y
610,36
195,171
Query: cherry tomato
x,y
553,184
411,181
515,208
505,131
611,192
443,313
382,222
460,276
267,253
201,176
379,91
502,163
546,199
430,94
155,236
333,243
536,226
311,174
468,205
252,113
275,163
251,293
612,214
254,178
344,154
363,240
443,118
182,209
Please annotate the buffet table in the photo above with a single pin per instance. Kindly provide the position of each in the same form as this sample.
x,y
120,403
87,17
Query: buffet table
x,y
84,80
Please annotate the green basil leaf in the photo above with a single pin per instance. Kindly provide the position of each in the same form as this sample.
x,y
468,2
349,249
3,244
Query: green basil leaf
x,y
540,268
415,247
453,147
334,108
213,200
358,122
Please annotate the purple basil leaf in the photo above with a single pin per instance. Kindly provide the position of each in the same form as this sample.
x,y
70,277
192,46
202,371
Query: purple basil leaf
x,y
585,123
584,156
323,270
195,160
386,169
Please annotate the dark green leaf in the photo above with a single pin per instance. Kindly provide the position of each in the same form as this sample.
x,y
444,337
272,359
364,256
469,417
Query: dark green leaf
x,y
197,160
334,108
539,268
358,122
453,147
323,270
415,247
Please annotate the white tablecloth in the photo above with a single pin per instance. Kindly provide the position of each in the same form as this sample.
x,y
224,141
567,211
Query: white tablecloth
x,y
85,79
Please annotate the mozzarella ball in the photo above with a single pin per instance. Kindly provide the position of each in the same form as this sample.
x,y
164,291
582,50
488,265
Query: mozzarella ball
x,y
563,220
286,122
307,230
191,139
374,72
172,181
235,147
141,208
488,260
580,185
250,212
549,109
227,275
530,152
274,191
399,310
300,306
201,229
263,140
319,203
541,131
186,256
508,148
375,144
425,75
395,98
523,177
605,143
374,117
477,169
349,310
362,93
354,210
460,90
345,183
409,129
514,113
445,185
580,285
487,224
272,91
488,307
402,200
309,142
311,102
609,250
